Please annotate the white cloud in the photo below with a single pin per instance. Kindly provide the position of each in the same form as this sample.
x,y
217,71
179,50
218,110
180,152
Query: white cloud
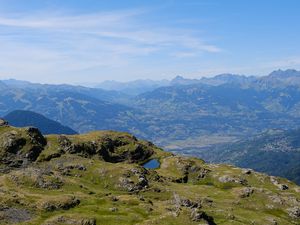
x,y
52,43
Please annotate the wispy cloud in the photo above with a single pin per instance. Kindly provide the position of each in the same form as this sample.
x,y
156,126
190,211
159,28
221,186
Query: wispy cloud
x,y
60,43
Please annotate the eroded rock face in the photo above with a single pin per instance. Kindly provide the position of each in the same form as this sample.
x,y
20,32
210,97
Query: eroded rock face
x,y
198,215
124,148
11,142
20,147
36,136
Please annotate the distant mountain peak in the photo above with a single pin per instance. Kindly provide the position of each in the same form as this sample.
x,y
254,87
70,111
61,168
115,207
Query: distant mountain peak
x,y
285,73
180,80
178,77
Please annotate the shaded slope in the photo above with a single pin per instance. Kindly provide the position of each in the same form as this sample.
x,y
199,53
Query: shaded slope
x,y
23,118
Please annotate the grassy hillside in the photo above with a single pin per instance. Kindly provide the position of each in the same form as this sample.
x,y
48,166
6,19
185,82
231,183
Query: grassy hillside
x,y
98,178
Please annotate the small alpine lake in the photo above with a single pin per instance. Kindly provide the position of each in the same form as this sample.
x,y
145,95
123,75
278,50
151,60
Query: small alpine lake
x,y
152,164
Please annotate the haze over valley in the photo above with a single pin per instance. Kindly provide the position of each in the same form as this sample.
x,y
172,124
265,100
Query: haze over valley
x,y
184,116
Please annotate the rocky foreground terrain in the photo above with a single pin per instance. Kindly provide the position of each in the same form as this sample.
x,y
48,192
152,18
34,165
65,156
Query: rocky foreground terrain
x,y
99,178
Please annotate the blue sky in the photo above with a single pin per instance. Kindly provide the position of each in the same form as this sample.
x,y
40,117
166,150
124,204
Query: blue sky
x,y
88,41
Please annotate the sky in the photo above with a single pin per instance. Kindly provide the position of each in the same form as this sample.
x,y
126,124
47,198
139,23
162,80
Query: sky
x,y
89,41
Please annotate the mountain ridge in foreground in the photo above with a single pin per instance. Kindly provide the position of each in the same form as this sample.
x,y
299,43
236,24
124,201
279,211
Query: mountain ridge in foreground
x,y
99,178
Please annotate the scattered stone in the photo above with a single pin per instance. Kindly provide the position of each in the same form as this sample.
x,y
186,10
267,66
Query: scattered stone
x,y
277,199
178,202
113,209
128,184
229,179
65,204
157,190
247,171
70,221
198,215
66,170
275,181
207,201
245,192
14,215
283,187
114,198
231,217
272,221
49,183
190,204
294,212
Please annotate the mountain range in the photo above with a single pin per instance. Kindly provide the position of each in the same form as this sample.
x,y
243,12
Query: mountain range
x,y
132,87
186,116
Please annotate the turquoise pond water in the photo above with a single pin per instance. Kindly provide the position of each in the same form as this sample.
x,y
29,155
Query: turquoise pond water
x,y
152,164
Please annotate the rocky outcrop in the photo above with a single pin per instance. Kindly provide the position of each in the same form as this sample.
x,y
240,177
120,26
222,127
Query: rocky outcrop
x,y
64,203
134,180
110,148
232,179
70,221
13,215
189,171
37,177
276,182
20,146
245,192
195,208
3,123
198,215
